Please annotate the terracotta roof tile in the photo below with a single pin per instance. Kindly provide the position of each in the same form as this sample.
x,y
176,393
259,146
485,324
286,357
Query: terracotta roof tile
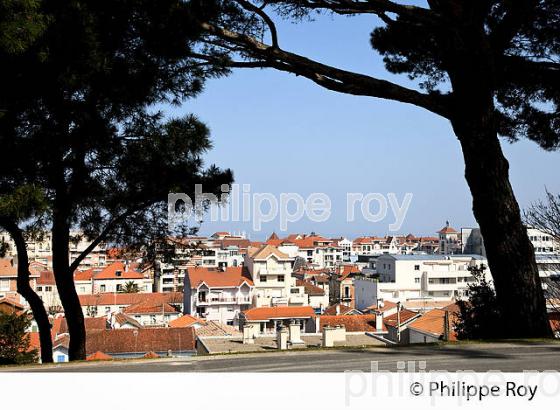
x,y
216,329
433,323
352,323
310,289
148,307
216,278
406,315
185,321
118,270
98,357
127,299
121,341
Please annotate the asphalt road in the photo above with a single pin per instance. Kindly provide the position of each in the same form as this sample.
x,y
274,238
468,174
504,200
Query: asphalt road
x,y
480,357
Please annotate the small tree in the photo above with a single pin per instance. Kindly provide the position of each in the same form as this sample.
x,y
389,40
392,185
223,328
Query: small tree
x,y
130,287
545,216
480,316
14,341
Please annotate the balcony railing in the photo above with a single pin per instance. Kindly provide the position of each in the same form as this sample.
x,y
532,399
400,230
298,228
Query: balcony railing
x,y
226,300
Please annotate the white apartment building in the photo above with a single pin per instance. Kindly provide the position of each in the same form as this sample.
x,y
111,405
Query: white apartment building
x,y
271,271
544,243
215,252
217,294
39,250
418,277
346,245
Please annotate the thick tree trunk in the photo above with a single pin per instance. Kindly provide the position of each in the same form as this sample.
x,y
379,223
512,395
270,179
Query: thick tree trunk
x,y
24,289
510,254
64,278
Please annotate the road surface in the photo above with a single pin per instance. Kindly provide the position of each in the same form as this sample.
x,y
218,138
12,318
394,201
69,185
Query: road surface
x,y
475,357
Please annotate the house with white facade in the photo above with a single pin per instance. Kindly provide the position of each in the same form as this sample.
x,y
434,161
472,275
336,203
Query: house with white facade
x,y
216,294
272,274
115,278
153,314
106,304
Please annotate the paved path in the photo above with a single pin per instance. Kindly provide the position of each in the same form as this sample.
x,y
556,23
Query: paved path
x,y
476,357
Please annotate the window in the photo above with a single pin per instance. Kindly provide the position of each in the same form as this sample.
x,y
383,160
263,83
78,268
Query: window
x,y
229,322
280,278
416,280
103,288
416,267
39,288
230,309
263,278
48,288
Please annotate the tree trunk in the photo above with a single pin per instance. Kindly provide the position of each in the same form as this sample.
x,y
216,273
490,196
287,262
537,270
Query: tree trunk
x,y
24,289
64,278
510,254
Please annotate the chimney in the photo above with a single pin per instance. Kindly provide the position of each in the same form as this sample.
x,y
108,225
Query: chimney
x,y
446,326
338,310
379,321
380,304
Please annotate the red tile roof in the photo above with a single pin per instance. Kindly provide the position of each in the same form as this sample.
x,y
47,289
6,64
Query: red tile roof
x,y
352,323
447,229
310,289
342,309
185,321
46,278
98,357
433,323
127,299
151,355
83,276
60,326
279,312
405,316
123,319
110,272
119,341
148,307
387,305
216,278
7,268
216,329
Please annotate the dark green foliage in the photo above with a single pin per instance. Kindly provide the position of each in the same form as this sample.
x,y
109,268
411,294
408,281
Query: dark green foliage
x,y
479,317
130,287
80,125
14,341
525,60
21,22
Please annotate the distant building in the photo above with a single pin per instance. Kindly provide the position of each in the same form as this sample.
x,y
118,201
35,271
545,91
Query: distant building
x,y
419,277
218,294
449,241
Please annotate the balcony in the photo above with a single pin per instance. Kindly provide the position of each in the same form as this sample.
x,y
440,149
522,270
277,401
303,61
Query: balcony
x,y
217,300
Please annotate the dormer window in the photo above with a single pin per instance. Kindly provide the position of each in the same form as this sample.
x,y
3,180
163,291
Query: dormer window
x,y
118,273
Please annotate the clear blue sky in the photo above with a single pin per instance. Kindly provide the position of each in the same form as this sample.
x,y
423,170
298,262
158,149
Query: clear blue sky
x,y
282,133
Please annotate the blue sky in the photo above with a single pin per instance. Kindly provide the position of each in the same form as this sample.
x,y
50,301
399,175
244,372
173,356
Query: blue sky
x,y
282,133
